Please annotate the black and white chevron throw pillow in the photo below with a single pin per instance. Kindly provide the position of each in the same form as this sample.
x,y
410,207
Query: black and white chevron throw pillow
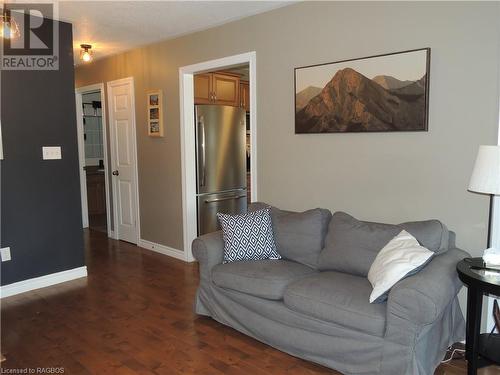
x,y
248,236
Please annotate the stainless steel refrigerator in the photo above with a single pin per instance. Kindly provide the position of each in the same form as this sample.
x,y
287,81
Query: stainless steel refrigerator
x,y
220,163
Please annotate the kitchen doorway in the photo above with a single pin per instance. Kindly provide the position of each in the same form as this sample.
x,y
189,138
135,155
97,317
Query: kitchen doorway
x,y
93,158
188,135
222,135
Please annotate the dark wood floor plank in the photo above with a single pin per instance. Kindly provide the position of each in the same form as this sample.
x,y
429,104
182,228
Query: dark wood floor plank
x,y
134,314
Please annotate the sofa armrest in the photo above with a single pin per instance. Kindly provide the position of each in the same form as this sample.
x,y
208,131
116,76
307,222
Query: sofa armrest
x,y
209,251
421,298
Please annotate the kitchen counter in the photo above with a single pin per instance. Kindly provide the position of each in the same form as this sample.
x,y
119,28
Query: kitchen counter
x,y
93,170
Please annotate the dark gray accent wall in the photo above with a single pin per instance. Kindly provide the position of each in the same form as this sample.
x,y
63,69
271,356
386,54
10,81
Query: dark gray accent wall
x,y
40,199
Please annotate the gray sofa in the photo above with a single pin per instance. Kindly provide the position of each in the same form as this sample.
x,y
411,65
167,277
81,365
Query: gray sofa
x,y
313,303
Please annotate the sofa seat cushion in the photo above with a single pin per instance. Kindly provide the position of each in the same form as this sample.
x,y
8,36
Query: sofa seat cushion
x,y
262,278
339,298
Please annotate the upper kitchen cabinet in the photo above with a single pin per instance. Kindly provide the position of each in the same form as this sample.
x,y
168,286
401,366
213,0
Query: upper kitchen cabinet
x,y
203,89
245,95
226,89
217,88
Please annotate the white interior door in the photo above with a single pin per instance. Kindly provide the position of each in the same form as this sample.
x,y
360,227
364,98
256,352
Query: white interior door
x,y
124,158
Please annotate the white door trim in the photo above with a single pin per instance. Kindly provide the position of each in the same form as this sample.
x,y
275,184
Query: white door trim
x,y
129,80
81,152
188,137
81,158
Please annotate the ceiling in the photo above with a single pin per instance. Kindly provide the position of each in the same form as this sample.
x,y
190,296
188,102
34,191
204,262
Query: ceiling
x,y
242,70
116,26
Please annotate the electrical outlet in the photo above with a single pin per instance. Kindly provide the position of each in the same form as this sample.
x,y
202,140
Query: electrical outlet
x,y
51,153
5,253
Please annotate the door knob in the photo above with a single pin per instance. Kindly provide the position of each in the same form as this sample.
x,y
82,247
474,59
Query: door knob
x,y
115,173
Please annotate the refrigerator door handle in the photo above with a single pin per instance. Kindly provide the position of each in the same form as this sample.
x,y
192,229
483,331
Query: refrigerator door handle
x,y
201,122
225,198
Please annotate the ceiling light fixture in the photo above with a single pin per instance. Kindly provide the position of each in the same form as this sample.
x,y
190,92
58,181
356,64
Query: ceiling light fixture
x,y
8,26
85,53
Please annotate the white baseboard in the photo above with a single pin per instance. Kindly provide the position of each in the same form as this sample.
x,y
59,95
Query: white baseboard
x,y
162,249
42,281
111,234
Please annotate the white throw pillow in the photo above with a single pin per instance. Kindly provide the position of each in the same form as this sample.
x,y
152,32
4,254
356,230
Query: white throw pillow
x,y
401,257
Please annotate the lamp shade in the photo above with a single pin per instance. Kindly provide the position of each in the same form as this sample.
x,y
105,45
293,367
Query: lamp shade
x,y
486,173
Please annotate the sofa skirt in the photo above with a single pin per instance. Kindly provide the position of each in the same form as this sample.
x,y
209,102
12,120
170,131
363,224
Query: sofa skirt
x,y
271,322
403,352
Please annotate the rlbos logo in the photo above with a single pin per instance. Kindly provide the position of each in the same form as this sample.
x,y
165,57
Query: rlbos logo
x,y
30,39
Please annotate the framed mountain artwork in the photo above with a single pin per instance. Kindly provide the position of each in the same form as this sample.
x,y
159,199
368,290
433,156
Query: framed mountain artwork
x,y
383,93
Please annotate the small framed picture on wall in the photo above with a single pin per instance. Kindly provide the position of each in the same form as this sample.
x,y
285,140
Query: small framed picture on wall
x,y
155,113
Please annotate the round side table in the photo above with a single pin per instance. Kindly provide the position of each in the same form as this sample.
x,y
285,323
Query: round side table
x,y
481,349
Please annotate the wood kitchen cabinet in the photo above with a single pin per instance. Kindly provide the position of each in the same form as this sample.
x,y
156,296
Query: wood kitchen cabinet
x,y
245,95
226,89
96,194
217,88
203,89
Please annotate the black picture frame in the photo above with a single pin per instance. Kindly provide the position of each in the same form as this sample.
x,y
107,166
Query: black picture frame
x,y
424,126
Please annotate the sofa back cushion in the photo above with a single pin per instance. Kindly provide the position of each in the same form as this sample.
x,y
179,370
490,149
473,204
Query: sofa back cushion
x,y
299,236
431,234
352,245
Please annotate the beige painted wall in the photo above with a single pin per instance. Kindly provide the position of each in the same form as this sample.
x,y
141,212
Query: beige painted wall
x,y
383,177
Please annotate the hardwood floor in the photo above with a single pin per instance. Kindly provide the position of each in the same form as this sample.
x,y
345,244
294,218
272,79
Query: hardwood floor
x,y
98,222
133,315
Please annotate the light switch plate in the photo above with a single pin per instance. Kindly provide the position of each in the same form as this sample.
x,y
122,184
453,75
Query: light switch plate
x,y
5,253
51,153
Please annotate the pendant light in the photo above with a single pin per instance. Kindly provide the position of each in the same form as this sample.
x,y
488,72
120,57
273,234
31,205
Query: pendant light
x,y
8,26
85,53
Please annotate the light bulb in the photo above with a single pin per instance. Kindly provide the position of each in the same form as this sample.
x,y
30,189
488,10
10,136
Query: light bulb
x,y
9,28
86,56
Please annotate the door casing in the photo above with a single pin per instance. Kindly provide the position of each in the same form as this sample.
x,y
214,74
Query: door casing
x,y
188,144
81,153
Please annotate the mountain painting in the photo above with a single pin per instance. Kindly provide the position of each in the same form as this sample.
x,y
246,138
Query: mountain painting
x,y
382,93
